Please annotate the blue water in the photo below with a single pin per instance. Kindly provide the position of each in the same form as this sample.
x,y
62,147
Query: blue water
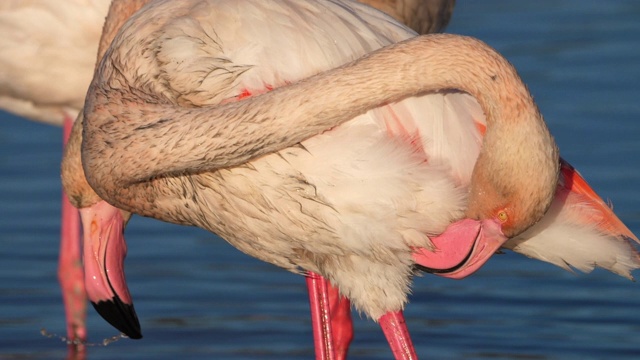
x,y
198,298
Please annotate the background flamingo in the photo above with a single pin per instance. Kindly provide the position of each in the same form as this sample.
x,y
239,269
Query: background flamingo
x,y
49,53
548,315
48,56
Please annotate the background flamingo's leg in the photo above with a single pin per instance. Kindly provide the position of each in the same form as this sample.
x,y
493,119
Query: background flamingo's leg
x,y
70,272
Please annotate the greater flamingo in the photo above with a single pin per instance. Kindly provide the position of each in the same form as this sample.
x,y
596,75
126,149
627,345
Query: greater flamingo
x,y
48,58
169,133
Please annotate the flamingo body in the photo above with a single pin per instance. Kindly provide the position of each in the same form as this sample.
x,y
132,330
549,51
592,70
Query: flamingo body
x,y
349,203
361,203
48,55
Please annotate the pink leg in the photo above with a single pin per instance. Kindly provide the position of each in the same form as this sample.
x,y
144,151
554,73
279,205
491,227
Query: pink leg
x,y
397,334
331,319
70,272
341,324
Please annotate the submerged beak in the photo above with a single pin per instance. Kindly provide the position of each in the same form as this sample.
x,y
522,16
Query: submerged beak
x,y
462,248
104,253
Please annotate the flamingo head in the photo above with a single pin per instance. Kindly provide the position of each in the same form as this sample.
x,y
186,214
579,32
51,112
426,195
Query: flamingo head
x,y
511,188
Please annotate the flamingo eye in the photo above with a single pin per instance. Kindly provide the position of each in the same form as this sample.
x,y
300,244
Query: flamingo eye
x,y
502,216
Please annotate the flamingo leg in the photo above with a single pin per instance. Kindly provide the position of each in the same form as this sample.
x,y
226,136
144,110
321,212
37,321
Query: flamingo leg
x,y
70,271
341,324
331,319
397,334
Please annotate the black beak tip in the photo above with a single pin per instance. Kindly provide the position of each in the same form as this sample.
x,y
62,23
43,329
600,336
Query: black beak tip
x,y
120,315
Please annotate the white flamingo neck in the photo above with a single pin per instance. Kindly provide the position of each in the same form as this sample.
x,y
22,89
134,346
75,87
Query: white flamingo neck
x,y
288,115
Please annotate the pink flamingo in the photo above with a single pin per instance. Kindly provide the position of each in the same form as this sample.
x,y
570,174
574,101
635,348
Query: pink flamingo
x,y
430,153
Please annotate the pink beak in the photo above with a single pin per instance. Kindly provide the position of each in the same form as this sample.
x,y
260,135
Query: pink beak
x,y
462,248
104,253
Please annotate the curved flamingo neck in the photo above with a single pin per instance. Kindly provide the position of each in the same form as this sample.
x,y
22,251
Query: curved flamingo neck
x,y
169,140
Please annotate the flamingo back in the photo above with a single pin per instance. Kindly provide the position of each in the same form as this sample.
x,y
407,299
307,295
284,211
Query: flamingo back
x,y
47,55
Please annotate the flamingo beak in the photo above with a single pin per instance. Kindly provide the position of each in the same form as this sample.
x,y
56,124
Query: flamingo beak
x,y
462,248
104,252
